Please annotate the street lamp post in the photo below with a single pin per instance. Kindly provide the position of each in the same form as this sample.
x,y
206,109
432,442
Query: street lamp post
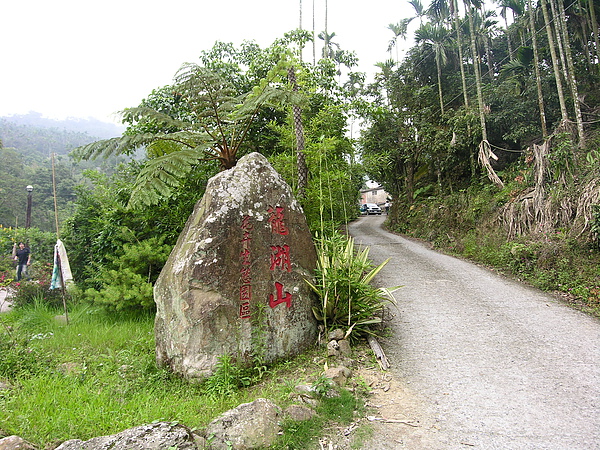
x,y
28,216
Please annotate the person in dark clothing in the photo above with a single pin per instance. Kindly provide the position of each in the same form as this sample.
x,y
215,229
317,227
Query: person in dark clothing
x,y
23,258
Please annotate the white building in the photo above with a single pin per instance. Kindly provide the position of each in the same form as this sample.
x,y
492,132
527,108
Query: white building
x,y
375,195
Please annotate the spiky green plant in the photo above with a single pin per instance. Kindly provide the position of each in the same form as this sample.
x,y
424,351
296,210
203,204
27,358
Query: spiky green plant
x,y
348,299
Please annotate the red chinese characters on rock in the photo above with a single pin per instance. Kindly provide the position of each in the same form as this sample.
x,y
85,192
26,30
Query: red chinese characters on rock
x,y
276,220
245,272
280,256
281,297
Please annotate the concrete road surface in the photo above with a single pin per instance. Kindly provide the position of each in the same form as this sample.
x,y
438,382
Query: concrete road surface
x,y
494,364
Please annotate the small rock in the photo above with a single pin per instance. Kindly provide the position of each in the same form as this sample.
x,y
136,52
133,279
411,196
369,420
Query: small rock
x,y
312,402
336,335
249,426
333,348
339,375
306,390
299,412
344,347
15,443
159,435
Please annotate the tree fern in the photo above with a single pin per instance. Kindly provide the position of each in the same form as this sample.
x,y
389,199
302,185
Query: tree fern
x,y
202,117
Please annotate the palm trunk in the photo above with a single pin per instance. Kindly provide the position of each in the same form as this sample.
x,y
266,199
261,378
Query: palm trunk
x,y
538,78
510,52
594,23
314,35
570,73
463,77
477,69
439,77
299,130
559,38
559,87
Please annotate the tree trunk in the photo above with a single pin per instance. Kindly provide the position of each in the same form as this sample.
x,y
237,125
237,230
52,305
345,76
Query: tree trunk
x,y
438,65
510,51
477,74
571,73
299,130
460,51
594,27
559,87
314,35
538,78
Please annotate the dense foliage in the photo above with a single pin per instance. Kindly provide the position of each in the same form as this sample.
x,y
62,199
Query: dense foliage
x,y
488,134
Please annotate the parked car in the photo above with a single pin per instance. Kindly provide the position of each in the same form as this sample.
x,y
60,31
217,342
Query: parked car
x,y
370,208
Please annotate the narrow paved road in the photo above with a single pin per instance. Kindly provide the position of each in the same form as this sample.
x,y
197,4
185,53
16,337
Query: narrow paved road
x,y
492,364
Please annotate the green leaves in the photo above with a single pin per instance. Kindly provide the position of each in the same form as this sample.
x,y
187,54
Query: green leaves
x,y
344,277
161,175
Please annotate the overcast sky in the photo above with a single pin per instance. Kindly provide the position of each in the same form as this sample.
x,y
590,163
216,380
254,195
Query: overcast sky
x,y
77,58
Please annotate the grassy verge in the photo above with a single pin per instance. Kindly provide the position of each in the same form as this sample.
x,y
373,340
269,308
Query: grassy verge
x,y
464,224
97,376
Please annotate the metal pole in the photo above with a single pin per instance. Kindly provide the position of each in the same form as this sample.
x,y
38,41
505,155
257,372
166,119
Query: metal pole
x,y
28,216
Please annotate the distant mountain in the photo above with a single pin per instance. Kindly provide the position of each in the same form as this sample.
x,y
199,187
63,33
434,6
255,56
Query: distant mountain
x,y
95,128
34,136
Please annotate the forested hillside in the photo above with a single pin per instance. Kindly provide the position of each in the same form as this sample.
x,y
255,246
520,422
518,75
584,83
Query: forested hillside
x,y
28,142
486,134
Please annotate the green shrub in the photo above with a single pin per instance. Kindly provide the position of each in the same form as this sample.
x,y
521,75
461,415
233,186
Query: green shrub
x,y
128,283
343,283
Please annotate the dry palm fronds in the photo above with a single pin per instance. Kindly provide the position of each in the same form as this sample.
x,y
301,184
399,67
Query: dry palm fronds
x,y
584,214
485,153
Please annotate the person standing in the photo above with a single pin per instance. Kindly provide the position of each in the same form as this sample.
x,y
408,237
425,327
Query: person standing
x,y
23,258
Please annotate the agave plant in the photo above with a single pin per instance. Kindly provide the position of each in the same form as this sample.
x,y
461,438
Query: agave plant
x,y
348,299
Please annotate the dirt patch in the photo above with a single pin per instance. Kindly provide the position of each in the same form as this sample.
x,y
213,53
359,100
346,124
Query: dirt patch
x,y
395,416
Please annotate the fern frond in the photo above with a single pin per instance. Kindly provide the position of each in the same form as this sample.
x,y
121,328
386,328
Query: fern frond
x,y
124,145
161,176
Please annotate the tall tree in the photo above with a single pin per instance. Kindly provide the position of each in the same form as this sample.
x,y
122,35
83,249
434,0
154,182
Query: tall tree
x,y
299,132
461,61
538,77
435,38
399,29
210,122
555,65
569,69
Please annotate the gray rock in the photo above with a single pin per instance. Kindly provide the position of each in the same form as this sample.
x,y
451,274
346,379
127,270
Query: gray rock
x,y
156,436
333,349
339,375
240,264
336,335
249,426
299,412
306,390
15,443
344,347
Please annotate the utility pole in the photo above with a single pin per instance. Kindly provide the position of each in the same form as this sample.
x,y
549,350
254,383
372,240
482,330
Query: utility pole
x,y
28,216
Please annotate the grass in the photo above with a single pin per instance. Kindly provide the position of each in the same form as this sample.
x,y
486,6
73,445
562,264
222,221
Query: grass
x,y
97,376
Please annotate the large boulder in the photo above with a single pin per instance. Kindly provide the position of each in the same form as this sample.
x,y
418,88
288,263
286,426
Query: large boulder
x,y
235,282
155,436
15,443
249,426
